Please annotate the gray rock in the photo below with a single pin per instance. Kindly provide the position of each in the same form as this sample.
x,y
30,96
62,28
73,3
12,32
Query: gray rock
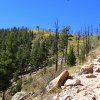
x,y
19,96
72,82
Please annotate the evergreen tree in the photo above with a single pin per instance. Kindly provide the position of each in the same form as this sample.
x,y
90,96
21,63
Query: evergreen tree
x,y
66,37
15,47
71,59
64,41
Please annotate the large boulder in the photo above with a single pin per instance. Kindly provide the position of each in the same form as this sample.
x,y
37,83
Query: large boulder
x,y
19,96
58,81
87,69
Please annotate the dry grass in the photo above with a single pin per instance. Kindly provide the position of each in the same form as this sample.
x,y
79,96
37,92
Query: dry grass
x,y
93,54
41,79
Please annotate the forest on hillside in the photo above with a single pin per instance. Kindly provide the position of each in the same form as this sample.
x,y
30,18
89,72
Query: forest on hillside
x,y
24,51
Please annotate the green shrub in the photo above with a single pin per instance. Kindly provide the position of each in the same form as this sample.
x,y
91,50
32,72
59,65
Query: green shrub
x,y
16,88
71,59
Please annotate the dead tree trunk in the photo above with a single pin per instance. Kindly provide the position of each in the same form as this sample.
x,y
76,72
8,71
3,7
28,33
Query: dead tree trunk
x,y
78,40
56,44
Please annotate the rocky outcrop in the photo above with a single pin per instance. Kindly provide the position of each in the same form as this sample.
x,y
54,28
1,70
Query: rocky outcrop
x,y
86,69
58,81
84,86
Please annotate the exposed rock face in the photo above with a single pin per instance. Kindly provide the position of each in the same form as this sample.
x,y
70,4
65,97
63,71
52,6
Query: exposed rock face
x,y
85,86
59,81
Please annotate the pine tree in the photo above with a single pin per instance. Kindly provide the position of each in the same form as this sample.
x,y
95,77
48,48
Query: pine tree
x,y
66,37
71,59
7,62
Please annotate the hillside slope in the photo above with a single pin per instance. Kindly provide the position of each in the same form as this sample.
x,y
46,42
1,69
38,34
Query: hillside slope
x,y
87,88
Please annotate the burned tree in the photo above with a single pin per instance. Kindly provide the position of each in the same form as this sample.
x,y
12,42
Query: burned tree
x,y
78,41
56,43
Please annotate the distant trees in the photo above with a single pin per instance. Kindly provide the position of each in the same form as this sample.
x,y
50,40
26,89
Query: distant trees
x,y
40,53
24,49
84,40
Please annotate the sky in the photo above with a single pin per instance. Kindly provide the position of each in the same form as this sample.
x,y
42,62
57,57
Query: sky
x,y
44,13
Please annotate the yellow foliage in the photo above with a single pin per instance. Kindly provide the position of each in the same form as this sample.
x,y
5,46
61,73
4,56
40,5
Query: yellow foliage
x,y
45,33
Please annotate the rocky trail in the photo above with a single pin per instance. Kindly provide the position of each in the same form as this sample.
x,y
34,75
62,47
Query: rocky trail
x,y
84,85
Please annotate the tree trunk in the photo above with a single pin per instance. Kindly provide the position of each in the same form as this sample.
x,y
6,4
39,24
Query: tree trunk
x,y
62,59
56,44
66,53
78,38
3,95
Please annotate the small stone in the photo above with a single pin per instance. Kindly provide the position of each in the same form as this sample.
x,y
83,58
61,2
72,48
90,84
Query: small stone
x,y
78,90
91,76
93,98
62,87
